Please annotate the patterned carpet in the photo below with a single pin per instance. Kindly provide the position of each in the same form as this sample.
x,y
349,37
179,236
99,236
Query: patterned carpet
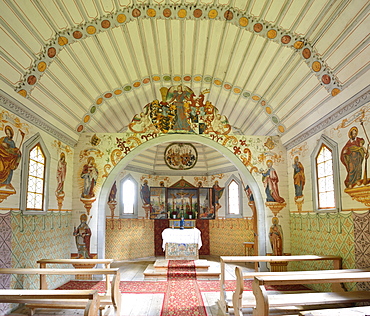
x,y
144,287
182,297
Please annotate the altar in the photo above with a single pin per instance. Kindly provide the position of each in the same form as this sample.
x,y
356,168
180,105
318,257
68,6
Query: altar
x,y
181,244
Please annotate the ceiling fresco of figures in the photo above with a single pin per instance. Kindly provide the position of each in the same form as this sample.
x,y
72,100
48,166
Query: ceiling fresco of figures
x,y
268,66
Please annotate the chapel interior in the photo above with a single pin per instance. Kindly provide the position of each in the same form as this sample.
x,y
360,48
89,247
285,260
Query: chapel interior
x,y
243,124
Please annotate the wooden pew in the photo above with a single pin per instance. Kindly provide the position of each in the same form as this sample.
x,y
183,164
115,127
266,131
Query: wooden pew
x,y
241,299
107,262
112,297
264,300
89,298
226,303
348,311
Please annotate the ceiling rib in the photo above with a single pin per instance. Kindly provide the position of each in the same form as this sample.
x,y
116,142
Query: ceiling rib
x,y
243,60
228,68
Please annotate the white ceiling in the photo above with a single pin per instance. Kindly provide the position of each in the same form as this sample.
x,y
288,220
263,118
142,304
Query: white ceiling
x,y
273,67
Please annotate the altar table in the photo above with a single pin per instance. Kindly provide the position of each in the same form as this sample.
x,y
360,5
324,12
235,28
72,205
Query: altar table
x,y
181,236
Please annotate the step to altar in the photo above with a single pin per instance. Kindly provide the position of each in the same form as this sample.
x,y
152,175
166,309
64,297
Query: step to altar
x,y
205,270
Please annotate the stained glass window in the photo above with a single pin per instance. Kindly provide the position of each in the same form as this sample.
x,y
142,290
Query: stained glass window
x,y
325,178
36,179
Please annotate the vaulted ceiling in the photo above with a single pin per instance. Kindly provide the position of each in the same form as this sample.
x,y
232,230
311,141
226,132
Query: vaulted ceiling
x,y
272,67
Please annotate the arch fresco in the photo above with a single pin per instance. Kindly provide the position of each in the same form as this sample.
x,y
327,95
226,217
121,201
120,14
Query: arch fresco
x,y
244,172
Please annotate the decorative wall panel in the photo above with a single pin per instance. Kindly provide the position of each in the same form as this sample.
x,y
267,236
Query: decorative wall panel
x,y
227,236
5,255
36,237
362,244
129,238
322,234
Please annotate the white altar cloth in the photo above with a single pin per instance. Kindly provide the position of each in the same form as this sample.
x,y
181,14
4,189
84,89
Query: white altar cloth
x,y
181,236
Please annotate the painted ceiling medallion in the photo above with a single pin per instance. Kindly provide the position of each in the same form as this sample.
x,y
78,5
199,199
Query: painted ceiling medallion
x,y
180,156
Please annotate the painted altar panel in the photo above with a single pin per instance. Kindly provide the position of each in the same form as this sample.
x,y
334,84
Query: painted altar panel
x,y
182,202
158,203
206,209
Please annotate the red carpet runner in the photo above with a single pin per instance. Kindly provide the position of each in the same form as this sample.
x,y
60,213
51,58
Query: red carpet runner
x,y
183,297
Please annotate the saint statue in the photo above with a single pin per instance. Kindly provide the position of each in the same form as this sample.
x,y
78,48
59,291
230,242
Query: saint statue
x,y
82,235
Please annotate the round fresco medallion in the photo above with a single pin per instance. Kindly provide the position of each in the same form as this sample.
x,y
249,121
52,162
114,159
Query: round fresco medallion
x,y
121,18
93,109
80,128
127,88
316,66
281,128
182,13
136,13
108,95
105,24
91,29
156,78
286,39
271,34
246,94
306,53
77,34
228,15
208,79
268,110
146,80
213,14
258,27
137,84
263,102
217,82
197,13
335,91
227,86
117,92
243,21
326,79
99,101
167,12
52,52
151,12
23,93
180,156
237,90
187,78
166,78
62,40
41,66
256,98
197,78
298,44
31,80
177,78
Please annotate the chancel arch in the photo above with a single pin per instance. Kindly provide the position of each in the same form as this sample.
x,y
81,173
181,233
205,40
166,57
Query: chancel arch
x,y
243,171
